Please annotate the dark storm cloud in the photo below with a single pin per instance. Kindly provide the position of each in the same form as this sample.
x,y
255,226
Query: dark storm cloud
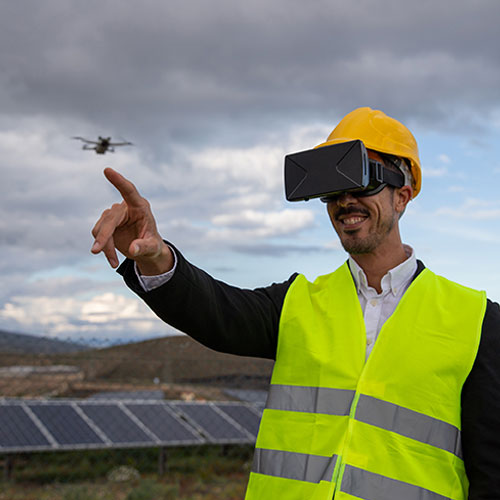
x,y
178,70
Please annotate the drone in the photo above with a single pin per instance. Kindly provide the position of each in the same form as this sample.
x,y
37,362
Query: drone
x,y
102,145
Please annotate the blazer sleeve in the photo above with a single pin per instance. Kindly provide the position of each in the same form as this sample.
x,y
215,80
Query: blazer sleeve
x,y
481,412
218,315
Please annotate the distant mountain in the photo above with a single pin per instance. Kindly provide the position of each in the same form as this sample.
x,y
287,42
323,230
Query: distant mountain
x,y
20,343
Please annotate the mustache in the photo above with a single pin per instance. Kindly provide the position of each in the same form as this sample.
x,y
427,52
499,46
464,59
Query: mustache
x,y
351,210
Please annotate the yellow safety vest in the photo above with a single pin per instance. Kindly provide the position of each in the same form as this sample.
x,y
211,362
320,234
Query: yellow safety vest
x,y
388,428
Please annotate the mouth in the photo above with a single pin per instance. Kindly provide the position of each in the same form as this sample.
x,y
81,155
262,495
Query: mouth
x,y
352,222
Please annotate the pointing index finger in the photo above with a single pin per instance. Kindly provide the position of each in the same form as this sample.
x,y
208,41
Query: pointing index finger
x,y
125,187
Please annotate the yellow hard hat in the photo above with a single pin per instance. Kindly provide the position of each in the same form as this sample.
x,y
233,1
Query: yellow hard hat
x,y
380,133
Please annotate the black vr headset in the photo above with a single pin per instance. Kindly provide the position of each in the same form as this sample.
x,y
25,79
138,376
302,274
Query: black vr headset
x,y
329,171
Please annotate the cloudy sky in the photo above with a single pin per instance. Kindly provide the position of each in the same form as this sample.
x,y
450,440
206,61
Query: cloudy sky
x,y
213,94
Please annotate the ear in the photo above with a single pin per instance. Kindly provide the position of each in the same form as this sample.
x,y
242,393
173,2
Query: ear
x,y
402,196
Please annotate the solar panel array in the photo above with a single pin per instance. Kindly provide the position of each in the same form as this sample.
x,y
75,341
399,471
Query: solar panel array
x,y
42,425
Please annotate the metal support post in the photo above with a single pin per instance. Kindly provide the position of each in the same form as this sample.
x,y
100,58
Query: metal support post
x,y
162,461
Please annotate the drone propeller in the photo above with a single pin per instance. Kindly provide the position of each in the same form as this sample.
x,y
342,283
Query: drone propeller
x,y
84,140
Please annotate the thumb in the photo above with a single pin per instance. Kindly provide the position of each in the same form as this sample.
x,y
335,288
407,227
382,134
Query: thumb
x,y
145,247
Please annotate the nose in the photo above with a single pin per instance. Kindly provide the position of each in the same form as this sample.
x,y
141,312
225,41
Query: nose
x,y
345,199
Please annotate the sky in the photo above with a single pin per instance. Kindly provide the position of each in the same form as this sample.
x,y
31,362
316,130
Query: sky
x,y
213,95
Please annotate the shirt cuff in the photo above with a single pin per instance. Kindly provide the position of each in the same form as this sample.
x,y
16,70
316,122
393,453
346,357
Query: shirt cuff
x,y
149,283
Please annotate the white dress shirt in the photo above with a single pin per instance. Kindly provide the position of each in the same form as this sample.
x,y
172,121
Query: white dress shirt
x,y
376,307
149,283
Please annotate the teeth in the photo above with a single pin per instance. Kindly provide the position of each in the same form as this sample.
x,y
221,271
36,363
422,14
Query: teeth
x,y
353,220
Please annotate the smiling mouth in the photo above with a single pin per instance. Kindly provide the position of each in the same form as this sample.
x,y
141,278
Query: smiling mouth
x,y
352,221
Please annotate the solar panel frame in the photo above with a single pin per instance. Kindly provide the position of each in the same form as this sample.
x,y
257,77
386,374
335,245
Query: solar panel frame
x,y
120,417
196,437
181,406
22,418
65,423
245,426
92,424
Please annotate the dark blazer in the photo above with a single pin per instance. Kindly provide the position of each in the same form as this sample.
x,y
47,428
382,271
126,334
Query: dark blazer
x,y
245,322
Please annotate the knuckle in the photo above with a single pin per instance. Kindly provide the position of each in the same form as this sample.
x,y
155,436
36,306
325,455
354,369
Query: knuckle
x,y
143,202
96,228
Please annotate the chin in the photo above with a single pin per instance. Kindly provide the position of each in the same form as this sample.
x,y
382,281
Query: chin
x,y
358,246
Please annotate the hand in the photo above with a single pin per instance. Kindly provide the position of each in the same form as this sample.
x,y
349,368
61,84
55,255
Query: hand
x,y
130,228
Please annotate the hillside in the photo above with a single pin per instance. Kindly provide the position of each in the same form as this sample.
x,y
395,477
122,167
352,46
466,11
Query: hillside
x,y
172,364
176,359
31,344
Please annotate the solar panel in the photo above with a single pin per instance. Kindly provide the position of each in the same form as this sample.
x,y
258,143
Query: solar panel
x,y
243,415
72,424
65,424
211,422
164,424
116,424
18,430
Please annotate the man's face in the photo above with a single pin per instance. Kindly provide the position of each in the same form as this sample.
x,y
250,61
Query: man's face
x,y
364,223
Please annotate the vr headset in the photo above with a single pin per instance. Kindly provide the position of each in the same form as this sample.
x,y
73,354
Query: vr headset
x,y
329,171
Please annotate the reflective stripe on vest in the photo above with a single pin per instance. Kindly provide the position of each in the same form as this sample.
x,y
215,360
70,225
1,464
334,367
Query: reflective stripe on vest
x,y
290,465
370,410
409,423
310,399
364,484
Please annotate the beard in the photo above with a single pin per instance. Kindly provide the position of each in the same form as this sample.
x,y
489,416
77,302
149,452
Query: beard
x,y
360,246
354,244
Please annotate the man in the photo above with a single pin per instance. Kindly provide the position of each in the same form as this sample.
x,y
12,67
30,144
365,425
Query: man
x,y
386,383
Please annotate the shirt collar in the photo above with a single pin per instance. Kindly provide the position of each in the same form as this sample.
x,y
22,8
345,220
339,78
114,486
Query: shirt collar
x,y
395,279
